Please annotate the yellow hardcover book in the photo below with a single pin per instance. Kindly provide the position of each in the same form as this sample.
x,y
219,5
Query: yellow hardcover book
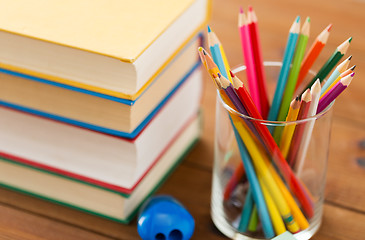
x,y
114,47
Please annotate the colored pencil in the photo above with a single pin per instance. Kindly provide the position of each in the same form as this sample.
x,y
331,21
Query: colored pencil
x,y
277,221
246,211
210,66
252,178
330,64
344,74
299,129
218,53
313,54
336,73
334,92
295,210
249,58
278,158
294,71
306,138
288,56
259,66
252,225
237,175
289,129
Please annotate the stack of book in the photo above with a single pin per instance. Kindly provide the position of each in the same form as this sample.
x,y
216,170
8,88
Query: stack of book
x,y
99,100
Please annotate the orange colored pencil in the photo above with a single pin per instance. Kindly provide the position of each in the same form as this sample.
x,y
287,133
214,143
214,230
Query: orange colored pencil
x,y
313,54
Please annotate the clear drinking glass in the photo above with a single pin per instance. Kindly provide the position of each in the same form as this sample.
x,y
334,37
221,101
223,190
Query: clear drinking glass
x,y
231,188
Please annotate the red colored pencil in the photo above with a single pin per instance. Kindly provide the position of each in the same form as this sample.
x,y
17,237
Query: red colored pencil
x,y
299,129
294,184
313,54
259,66
234,180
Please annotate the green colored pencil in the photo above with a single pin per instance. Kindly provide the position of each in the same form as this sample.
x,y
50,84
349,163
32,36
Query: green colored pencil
x,y
330,64
254,220
293,76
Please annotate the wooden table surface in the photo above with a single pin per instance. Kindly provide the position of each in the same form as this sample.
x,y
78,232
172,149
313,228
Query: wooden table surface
x,y
23,217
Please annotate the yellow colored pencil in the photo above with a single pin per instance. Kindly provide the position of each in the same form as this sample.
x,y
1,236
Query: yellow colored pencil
x,y
276,219
289,129
295,210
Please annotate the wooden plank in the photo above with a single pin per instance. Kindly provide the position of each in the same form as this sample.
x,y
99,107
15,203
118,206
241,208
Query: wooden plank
x,y
345,175
191,186
341,224
16,224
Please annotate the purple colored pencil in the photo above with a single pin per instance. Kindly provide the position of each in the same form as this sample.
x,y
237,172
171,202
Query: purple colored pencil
x,y
334,92
231,93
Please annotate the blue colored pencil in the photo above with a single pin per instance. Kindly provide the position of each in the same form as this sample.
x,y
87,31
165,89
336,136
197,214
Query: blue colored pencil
x,y
246,211
216,52
284,72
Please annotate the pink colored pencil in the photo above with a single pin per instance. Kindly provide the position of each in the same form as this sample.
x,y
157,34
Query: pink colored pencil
x,y
259,64
333,93
249,59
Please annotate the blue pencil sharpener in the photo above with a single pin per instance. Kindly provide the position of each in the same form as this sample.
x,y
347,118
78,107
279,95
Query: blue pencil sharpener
x,y
164,218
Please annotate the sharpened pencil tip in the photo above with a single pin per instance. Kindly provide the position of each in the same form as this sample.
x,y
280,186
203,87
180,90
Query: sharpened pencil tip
x,y
297,19
241,10
204,52
350,39
219,75
308,19
209,29
349,58
250,8
353,67
352,74
329,27
232,75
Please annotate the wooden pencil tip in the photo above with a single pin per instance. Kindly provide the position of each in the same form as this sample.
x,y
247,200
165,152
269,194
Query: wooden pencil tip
x,y
316,87
214,76
209,30
306,96
353,68
241,10
297,98
204,52
352,74
250,8
350,39
349,58
308,19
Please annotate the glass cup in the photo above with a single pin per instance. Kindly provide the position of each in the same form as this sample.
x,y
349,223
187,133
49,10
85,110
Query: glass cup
x,y
257,192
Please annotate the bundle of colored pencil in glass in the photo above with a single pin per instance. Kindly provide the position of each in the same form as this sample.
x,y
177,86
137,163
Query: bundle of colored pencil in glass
x,y
271,158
